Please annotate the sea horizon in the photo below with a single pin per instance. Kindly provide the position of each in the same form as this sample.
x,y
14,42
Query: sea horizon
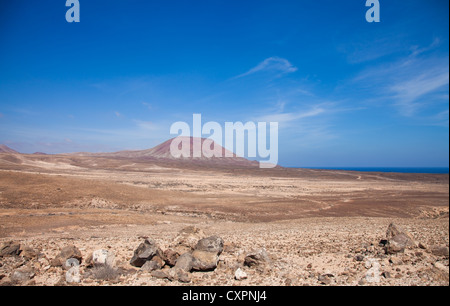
x,y
413,170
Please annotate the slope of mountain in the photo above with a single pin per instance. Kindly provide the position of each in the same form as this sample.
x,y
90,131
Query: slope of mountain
x,y
6,149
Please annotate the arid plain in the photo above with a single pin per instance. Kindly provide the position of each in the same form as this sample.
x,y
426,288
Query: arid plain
x,y
315,227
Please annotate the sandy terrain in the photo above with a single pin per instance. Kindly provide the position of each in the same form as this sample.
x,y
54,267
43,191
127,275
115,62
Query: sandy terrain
x,y
318,227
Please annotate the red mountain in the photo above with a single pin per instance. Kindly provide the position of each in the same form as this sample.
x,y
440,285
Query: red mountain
x,y
162,153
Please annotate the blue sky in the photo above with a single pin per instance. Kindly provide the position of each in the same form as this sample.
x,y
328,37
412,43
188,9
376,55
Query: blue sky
x,y
344,91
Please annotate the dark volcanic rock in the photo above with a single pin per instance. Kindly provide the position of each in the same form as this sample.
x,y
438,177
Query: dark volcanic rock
x,y
185,262
67,253
10,249
397,240
256,258
144,253
212,244
439,251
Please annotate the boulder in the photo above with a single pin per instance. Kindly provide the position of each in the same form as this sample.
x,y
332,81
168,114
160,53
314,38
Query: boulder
x,y
397,240
144,253
213,244
28,253
187,239
182,276
393,230
159,274
397,244
256,258
171,257
204,261
65,254
10,249
161,263
184,262
150,266
22,275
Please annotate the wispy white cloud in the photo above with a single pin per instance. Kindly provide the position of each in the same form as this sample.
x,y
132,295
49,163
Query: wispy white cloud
x,y
273,64
147,125
287,117
416,82
408,93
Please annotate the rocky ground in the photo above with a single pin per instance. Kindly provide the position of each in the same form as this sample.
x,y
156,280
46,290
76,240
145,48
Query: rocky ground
x,y
317,252
74,220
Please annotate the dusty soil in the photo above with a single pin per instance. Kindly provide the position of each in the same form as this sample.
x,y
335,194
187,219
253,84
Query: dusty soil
x,y
318,227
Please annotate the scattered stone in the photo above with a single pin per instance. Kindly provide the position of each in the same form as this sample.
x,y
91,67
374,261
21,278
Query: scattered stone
x,y
188,238
240,274
183,276
22,275
256,258
439,251
185,262
150,266
159,261
212,244
10,249
396,261
422,246
28,253
325,279
143,253
204,261
65,254
386,274
398,239
398,244
159,274
171,257
175,274
392,231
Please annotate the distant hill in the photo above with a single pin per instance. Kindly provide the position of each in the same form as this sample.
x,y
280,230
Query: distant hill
x,y
6,149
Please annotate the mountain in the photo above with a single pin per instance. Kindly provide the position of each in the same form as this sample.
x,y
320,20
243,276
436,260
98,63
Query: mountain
x,y
162,153
6,149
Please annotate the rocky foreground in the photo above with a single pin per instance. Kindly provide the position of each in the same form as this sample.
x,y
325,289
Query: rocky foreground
x,y
358,251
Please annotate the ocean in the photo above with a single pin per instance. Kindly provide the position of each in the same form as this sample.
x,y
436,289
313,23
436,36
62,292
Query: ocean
x,y
436,170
